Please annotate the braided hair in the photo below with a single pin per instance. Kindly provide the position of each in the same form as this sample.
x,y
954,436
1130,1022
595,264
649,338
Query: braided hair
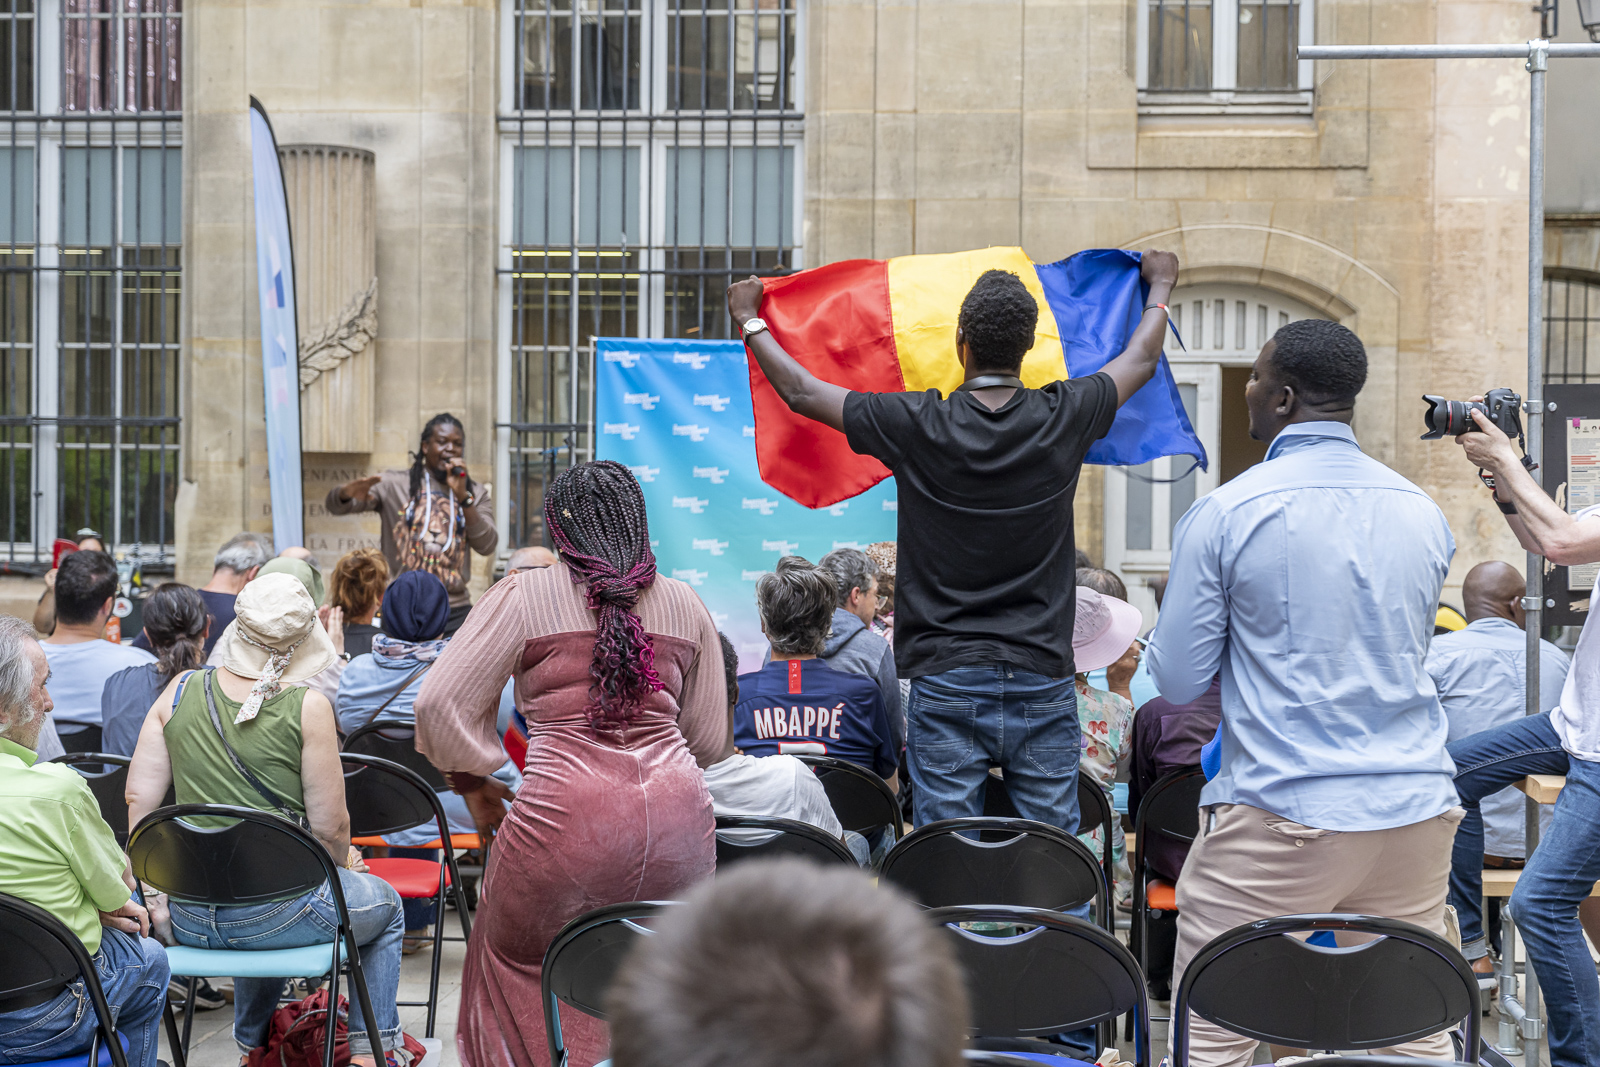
x,y
596,517
418,465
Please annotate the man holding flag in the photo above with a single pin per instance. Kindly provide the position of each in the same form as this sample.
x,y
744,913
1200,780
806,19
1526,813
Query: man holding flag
x,y
984,595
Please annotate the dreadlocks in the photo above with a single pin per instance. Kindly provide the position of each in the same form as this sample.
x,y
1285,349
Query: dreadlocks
x,y
596,517
418,467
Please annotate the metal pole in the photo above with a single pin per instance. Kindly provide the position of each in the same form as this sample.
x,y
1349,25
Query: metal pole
x,y
1532,1025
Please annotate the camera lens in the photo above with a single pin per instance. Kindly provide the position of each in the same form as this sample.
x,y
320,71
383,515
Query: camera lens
x,y
1446,417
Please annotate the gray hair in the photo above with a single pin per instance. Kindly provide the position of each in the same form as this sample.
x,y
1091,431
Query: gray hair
x,y
851,568
796,604
16,673
242,552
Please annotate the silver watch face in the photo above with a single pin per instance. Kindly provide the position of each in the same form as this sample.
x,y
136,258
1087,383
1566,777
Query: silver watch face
x,y
753,326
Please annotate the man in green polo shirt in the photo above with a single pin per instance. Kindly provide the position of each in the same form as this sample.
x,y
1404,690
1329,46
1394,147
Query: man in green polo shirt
x,y
58,853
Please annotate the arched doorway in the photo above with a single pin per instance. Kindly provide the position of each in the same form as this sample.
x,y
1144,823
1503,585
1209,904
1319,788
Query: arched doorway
x,y
1223,327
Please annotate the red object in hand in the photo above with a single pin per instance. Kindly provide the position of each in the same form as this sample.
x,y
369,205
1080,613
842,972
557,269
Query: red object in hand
x,y
58,550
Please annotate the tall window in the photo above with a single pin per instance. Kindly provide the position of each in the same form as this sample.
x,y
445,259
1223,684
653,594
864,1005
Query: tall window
x,y
1571,327
90,271
1210,56
652,152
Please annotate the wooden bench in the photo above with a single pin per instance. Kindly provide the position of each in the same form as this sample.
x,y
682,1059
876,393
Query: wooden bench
x,y
1499,882
1543,788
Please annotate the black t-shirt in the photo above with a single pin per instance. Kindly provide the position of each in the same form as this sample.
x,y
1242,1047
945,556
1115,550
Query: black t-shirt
x,y
986,562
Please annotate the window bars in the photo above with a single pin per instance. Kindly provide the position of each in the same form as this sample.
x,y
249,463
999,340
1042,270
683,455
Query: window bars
x,y
90,273
1571,327
652,150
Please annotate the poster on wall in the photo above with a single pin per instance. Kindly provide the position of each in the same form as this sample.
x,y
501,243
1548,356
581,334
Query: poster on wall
x,y
1583,487
679,415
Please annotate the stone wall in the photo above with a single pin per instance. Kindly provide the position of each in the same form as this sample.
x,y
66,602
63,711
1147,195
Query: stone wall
x,y
413,82
1399,207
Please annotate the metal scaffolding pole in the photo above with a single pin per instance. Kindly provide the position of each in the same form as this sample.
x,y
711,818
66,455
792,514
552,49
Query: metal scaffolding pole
x,y
1517,1018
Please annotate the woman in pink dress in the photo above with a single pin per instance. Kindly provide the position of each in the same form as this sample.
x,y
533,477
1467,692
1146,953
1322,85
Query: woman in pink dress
x,y
619,676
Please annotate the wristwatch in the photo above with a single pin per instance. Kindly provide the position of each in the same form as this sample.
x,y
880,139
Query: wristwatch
x,y
752,327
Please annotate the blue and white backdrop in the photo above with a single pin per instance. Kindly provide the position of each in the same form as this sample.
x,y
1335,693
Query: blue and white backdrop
x,y
678,414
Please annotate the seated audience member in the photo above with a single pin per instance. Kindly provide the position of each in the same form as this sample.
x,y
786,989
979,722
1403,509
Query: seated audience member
x,y
1480,673
356,588
1102,628
330,620
852,646
234,565
773,787
797,703
80,658
1127,677
790,964
1168,737
44,613
176,624
58,853
884,554
285,734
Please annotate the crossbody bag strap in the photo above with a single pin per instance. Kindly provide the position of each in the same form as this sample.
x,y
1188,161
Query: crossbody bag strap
x,y
413,676
257,784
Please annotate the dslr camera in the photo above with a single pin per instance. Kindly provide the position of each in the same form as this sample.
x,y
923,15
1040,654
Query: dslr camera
x,y
1502,406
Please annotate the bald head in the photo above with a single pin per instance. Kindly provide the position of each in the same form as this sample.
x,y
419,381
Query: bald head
x,y
528,559
1493,590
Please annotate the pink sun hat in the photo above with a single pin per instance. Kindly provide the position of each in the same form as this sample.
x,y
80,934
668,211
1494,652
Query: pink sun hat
x,y
1102,630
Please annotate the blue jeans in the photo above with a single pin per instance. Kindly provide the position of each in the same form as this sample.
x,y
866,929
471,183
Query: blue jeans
x,y
376,920
1559,876
1486,763
133,972
964,719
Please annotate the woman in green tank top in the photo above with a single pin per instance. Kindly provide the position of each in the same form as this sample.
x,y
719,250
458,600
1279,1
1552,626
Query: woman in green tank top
x,y
285,735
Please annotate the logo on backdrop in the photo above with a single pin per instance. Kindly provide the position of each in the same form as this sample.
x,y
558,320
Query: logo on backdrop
x,y
678,414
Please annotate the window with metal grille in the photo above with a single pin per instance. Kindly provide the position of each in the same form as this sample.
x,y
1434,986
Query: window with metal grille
x,y
1207,56
652,154
90,272
1571,327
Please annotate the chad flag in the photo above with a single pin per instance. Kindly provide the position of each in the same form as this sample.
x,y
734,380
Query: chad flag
x,y
890,326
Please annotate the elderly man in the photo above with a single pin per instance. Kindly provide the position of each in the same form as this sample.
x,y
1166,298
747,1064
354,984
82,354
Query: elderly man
x,y
852,646
58,853
1481,674
232,568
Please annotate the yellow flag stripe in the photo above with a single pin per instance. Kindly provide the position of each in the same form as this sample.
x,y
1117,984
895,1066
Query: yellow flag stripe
x,y
925,294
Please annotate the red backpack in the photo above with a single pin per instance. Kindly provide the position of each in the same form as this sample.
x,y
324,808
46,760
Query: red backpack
x,y
297,1031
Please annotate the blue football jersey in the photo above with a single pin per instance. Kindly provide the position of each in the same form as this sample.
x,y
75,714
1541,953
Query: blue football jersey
x,y
797,707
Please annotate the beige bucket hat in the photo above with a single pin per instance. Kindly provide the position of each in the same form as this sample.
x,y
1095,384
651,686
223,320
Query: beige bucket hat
x,y
274,638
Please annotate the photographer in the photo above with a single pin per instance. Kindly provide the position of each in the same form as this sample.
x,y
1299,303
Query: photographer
x,y
1566,740
430,515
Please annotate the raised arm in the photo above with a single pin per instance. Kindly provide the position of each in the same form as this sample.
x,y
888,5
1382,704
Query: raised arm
x,y
1139,360
804,392
1539,523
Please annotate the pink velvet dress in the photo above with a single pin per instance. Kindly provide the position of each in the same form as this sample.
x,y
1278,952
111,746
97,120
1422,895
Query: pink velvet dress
x,y
602,816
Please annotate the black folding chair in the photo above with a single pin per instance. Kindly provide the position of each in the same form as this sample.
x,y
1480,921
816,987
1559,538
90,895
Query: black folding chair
x,y
1094,813
385,798
583,959
863,802
1031,865
397,743
1171,809
978,1057
1259,981
107,776
783,837
253,858
1062,975
79,737
40,957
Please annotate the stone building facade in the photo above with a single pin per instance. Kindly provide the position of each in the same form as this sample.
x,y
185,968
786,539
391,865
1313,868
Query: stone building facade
x,y
544,170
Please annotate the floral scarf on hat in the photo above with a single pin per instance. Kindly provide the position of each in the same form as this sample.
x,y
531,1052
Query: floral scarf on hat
x,y
269,683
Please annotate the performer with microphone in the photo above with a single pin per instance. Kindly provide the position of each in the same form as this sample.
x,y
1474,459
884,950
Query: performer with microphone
x,y
984,588
431,514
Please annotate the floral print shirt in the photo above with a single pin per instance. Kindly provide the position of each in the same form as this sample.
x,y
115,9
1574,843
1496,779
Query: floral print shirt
x,y
1107,743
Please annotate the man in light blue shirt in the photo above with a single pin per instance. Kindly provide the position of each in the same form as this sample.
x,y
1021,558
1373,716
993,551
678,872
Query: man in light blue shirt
x,y
1310,582
1481,675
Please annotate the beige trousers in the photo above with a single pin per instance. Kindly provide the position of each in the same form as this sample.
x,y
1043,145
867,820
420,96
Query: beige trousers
x,y
1250,864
